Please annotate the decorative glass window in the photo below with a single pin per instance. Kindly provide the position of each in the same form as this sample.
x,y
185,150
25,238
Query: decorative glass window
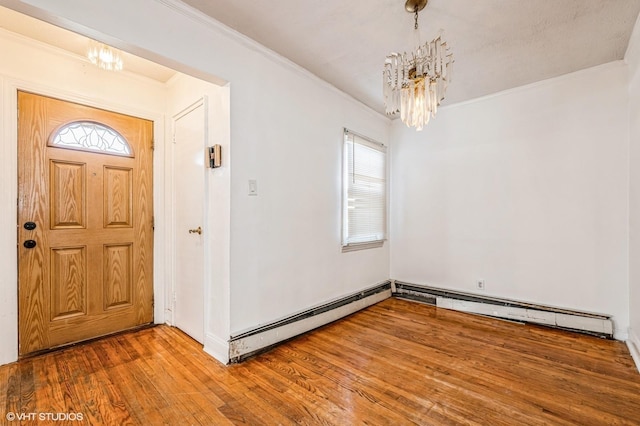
x,y
91,136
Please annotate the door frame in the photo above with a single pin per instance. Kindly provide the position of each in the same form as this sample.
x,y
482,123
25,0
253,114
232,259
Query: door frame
x,y
206,238
9,149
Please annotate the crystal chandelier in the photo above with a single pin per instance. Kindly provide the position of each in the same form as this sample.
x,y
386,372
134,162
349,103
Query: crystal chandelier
x,y
415,84
104,57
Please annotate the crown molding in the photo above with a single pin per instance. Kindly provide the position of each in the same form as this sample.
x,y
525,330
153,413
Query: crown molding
x,y
222,29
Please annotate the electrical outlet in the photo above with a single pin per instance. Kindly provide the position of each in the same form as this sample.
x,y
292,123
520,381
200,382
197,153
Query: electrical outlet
x,y
480,284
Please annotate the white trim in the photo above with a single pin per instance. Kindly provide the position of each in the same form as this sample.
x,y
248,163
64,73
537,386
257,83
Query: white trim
x,y
362,246
634,347
255,342
207,274
201,101
9,258
619,333
217,348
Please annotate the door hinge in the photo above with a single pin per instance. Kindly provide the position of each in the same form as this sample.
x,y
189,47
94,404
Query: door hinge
x,y
153,223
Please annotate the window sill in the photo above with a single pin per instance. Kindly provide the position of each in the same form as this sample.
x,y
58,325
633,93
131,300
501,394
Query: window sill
x,y
362,246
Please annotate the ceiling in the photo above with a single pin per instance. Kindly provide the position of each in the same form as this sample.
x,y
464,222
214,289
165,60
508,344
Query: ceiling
x,y
497,44
76,44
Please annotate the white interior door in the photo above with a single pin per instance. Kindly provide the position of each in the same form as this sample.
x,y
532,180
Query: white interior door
x,y
189,197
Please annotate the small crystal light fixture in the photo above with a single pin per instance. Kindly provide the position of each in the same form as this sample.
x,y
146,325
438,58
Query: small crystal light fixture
x,y
414,85
104,57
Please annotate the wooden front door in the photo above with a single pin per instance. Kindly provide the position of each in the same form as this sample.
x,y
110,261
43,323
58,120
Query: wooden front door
x,y
85,222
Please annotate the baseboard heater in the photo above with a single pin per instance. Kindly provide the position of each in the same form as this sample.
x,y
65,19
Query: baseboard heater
x,y
582,322
251,342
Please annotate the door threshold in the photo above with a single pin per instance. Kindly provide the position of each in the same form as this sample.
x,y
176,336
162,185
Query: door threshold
x,y
84,342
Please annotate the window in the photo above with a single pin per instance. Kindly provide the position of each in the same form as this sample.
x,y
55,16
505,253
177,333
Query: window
x,y
364,211
91,136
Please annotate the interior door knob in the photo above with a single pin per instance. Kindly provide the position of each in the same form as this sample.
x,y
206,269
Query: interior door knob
x,y
196,231
29,244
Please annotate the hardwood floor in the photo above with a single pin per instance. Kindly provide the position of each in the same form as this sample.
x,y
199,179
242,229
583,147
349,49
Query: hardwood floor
x,y
396,363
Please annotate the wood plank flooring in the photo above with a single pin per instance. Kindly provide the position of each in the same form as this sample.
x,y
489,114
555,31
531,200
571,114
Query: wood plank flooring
x,y
394,363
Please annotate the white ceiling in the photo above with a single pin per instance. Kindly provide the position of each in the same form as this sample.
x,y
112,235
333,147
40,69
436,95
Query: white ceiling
x,y
76,44
497,44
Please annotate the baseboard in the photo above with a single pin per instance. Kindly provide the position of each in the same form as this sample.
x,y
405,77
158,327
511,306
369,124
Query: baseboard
x,y
8,358
217,348
620,334
253,341
583,322
634,347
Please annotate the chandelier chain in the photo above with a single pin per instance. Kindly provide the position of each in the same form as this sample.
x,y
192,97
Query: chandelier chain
x,y
415,26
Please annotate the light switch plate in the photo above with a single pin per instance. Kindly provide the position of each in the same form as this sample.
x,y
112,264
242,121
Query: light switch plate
x,y
253,187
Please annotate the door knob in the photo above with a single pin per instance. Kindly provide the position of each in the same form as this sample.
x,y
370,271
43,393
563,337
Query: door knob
x,y
196,231
29,244
29,226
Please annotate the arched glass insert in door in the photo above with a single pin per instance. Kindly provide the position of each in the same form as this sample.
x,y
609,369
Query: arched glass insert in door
x,y
91,136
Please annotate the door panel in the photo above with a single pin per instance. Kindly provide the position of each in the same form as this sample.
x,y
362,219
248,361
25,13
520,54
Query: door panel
x,y
68,282
118,197
118,272
90,272
68,195
189,190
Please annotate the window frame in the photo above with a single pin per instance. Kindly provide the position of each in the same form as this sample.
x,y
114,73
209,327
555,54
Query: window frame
x,y
370,143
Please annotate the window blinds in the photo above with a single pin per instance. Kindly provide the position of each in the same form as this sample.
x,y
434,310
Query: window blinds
x,y
365,191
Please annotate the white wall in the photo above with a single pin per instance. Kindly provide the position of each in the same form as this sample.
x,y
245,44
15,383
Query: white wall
x,y
526,189
633,59
36,67
286,129
286,242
